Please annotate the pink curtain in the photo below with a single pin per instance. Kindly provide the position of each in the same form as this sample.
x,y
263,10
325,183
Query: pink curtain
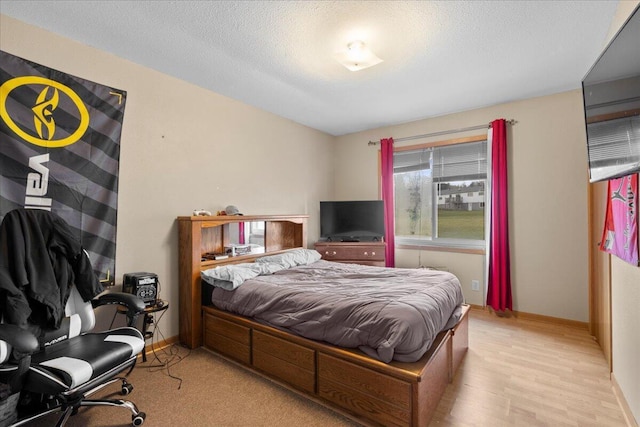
x,y
386,154
241,233
499,277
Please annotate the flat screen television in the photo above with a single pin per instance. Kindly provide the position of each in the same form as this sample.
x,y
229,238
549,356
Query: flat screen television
x,y
352,221
611,94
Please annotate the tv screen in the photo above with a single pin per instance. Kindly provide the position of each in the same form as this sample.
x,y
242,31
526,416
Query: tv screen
x,y
611,94
352,221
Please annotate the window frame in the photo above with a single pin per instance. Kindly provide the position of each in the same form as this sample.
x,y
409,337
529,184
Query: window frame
x,y
442,243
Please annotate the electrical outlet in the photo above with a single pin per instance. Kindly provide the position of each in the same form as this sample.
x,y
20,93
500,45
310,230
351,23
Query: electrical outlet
x,y
475,285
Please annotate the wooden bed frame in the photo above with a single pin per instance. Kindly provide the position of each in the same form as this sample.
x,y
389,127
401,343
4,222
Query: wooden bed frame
x,y
377,393
363,388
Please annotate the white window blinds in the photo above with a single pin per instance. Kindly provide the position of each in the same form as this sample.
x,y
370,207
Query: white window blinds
x,y
457,162
614,141
614,147
460,162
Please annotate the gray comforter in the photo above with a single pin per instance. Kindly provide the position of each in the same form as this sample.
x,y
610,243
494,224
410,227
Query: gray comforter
x,y
388,313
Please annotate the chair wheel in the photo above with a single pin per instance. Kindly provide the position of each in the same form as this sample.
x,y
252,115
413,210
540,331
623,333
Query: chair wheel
x,y
126,389
137,420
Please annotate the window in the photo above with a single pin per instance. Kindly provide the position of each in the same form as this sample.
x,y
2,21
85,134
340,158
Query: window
x,y
440,194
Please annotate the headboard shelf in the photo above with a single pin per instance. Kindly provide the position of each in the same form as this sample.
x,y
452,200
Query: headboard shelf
x,y
199,235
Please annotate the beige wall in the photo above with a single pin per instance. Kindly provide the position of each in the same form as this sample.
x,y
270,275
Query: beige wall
x,y
625,297
547,197
625,333
185,148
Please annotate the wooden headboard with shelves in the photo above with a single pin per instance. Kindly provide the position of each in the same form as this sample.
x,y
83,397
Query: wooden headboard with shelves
x,y
198,235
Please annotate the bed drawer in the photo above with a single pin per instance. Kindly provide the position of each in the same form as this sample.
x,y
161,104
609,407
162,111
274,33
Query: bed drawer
x,y
364,392
228,338
292,363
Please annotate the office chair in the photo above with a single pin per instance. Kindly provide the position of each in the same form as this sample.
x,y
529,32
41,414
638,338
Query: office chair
x,y
50,364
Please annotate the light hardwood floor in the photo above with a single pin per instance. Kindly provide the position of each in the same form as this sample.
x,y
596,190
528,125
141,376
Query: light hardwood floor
x,y
529,373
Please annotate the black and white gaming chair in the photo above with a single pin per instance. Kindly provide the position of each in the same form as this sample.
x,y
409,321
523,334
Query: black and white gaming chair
x,y
59,369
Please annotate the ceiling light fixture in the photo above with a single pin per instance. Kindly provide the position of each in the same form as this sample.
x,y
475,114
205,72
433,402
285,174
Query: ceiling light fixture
x,y
357,56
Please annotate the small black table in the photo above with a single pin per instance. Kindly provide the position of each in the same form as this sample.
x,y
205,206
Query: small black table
x,y
157,306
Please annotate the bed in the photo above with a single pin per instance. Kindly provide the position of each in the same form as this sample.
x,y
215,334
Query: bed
x,y
377,344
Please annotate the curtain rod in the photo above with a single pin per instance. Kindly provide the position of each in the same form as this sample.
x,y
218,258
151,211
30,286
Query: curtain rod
x,y
444,132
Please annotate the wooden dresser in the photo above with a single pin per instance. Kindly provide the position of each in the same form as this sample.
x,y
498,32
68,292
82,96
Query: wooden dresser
x,y
366,253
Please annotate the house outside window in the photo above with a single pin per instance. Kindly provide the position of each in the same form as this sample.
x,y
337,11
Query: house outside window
x,y
440,194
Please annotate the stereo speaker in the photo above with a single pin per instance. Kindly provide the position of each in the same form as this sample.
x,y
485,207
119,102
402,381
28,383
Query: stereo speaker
x,y
142,285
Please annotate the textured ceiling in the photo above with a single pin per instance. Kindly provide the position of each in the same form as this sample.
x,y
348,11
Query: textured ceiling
x,y
439,56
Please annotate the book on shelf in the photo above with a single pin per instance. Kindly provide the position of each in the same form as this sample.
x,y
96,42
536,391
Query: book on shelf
x,y
236,249
213,256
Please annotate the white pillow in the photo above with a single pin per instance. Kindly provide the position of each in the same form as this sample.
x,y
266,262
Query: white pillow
x,y
292,258
230,276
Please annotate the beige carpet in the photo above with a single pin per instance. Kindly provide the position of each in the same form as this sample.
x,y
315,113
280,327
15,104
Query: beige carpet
x,y
212,392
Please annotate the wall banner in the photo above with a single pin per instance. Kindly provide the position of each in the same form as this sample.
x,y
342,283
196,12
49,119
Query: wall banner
x,y
620,235
60,151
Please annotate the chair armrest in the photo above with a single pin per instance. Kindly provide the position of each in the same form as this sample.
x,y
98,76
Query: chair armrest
x,y
132,303
20,339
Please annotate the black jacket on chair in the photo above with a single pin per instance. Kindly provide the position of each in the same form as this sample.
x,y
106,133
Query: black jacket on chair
x,y
51,355
40,259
